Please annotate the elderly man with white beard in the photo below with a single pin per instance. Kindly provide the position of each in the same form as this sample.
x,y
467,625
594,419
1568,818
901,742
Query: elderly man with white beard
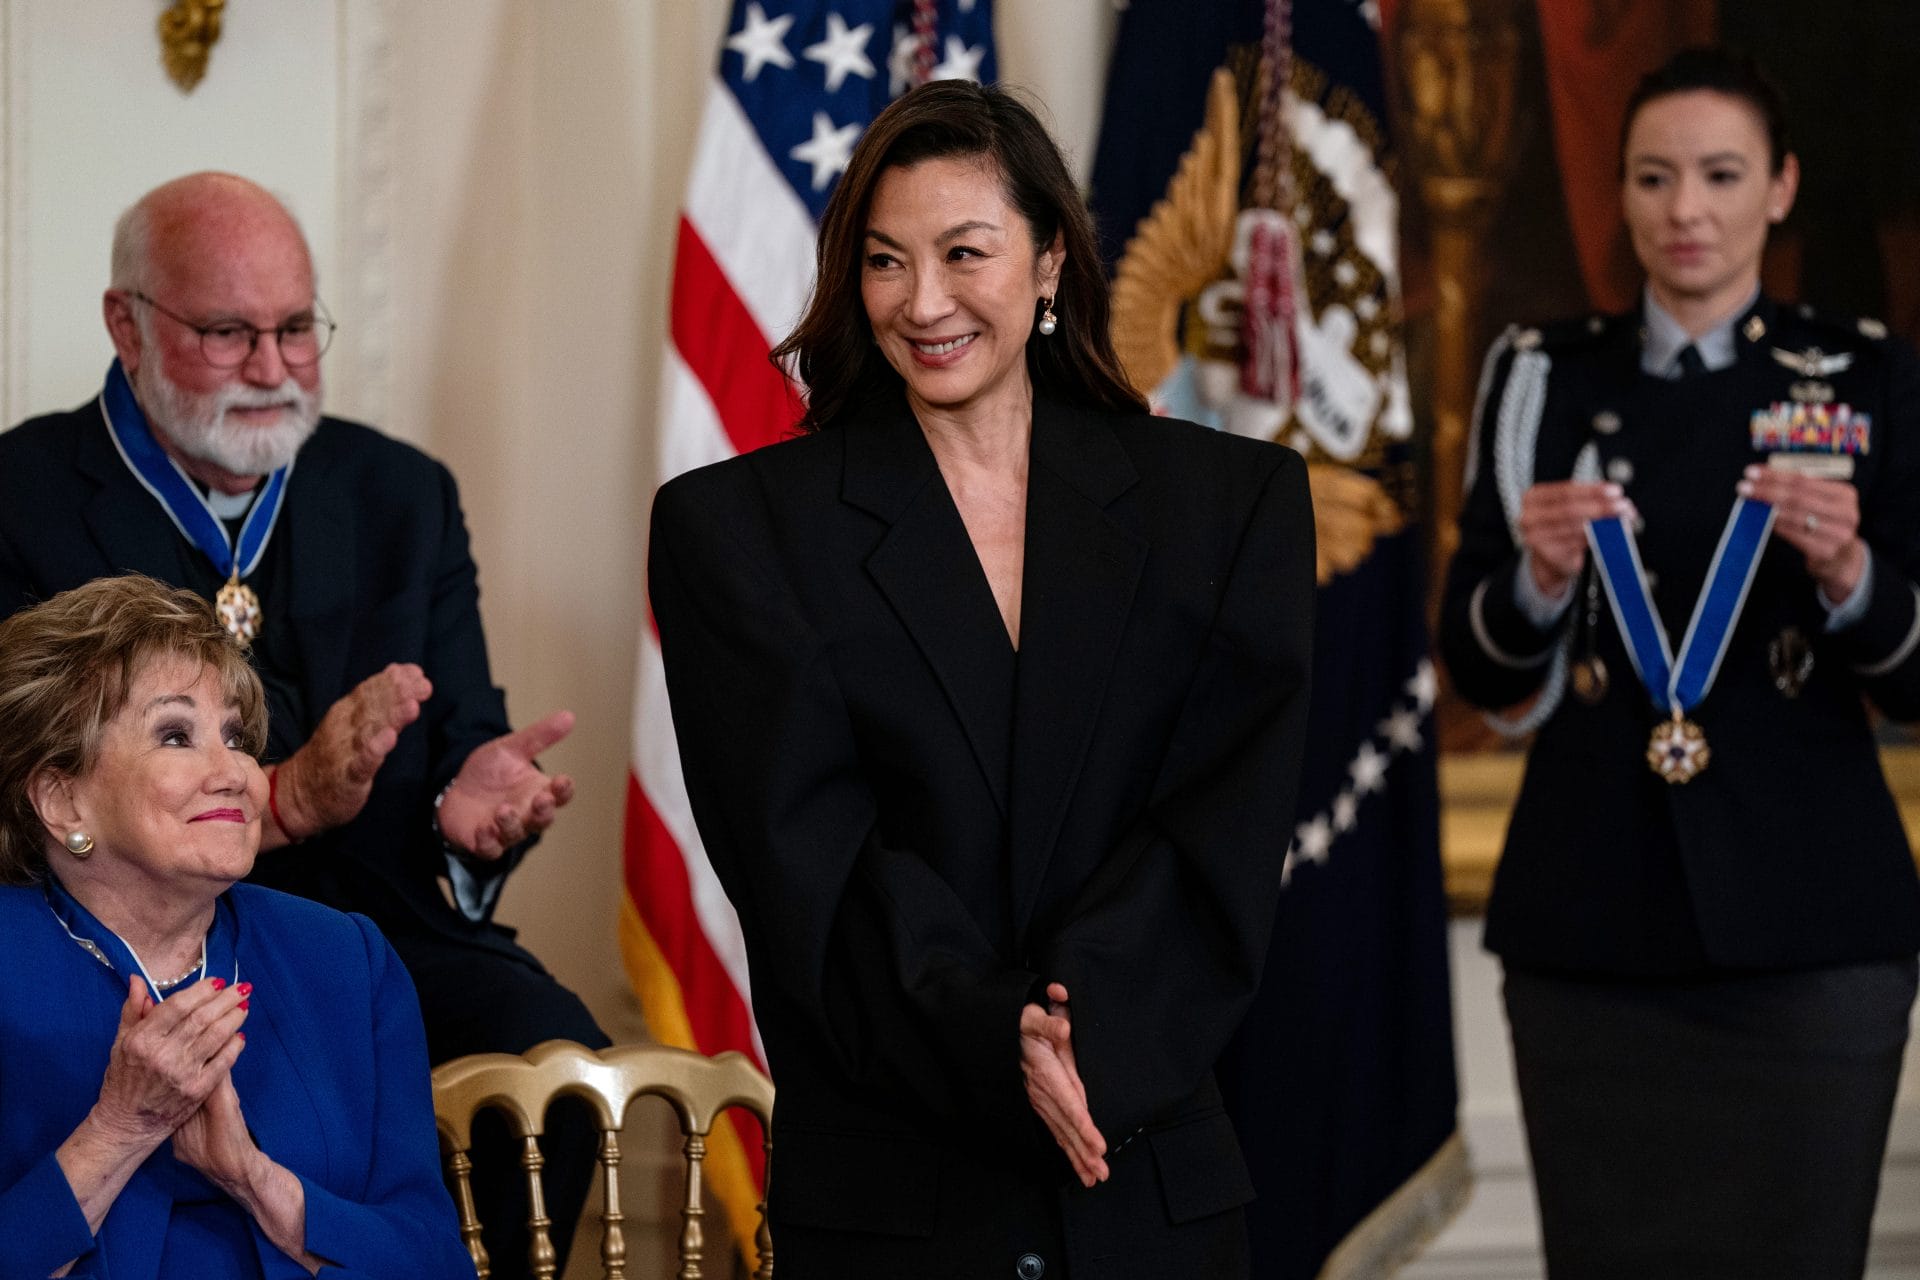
x,y
338,557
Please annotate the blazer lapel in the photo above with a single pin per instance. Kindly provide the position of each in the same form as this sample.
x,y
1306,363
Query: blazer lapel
x,y
1082,567
318,523
926,568
132,529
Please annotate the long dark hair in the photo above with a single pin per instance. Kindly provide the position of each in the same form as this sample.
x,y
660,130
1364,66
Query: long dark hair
x,y
1716,70
832,348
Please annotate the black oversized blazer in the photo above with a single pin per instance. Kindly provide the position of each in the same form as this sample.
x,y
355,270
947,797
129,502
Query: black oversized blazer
x,y
1788,852
376,570
917,826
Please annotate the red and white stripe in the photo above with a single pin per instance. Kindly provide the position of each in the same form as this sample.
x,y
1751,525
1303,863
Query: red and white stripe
x,y
743,265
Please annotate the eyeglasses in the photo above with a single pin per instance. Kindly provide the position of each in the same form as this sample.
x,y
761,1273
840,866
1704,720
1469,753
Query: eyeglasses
x,y
228,344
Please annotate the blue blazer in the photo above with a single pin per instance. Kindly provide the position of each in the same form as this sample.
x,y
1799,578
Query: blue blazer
x,y
333,1083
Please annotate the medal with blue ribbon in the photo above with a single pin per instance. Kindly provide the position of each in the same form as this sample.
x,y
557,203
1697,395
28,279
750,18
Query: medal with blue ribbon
x,y
237,604
217,951
1677,749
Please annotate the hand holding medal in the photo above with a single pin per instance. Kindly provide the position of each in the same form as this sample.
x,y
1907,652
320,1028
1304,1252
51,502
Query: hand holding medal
x,y
1819,515
1553,527
1677,748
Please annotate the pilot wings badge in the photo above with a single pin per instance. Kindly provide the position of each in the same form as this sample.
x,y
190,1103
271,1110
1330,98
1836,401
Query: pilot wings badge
x,y
1813,362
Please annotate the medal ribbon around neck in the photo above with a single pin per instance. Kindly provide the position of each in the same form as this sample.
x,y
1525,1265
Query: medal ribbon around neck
x,y
184,504
217,952
1678,685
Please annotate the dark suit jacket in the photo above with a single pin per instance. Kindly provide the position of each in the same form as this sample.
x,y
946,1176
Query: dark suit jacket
x,y
333,1082
1788,851
918,826
380,573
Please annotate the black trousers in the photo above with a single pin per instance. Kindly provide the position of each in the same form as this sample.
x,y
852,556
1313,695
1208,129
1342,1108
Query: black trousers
x,y
478,1000
1724,1127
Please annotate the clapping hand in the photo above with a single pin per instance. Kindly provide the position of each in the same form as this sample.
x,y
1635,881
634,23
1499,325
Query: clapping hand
x,y
325,783
1054,1088
500,796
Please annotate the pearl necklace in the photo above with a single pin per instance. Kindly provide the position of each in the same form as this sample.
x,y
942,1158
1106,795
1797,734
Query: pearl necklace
x,y
168,984
93,949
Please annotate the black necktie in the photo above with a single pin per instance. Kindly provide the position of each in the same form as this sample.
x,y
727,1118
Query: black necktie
x,y
1689,362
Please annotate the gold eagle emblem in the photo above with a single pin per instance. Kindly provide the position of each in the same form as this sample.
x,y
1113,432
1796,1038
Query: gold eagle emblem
x,y
1182,246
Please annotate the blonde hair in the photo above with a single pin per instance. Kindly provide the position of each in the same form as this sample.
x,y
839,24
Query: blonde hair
x,y
67,667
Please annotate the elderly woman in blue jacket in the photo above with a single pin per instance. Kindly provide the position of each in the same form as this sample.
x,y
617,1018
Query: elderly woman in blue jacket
x,y
201,1078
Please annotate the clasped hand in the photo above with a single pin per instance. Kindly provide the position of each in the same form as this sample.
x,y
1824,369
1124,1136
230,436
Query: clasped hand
x,y
168,1059
1054,1088
170,1075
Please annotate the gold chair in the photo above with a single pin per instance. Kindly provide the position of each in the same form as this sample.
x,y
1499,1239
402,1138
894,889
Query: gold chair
x,y
699,1088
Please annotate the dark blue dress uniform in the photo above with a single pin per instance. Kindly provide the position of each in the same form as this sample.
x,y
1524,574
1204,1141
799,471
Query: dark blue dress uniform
x,y
1628,906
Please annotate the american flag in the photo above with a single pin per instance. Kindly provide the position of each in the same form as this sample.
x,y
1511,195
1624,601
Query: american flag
x,y
796,84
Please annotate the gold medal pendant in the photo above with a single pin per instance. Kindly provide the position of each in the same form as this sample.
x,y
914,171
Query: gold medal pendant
x,y
1678,750
239,610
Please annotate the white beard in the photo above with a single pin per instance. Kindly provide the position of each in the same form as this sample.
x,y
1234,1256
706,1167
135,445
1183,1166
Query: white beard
x,y
196,422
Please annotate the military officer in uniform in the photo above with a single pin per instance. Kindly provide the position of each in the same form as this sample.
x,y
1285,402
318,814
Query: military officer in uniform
x,y
1689,557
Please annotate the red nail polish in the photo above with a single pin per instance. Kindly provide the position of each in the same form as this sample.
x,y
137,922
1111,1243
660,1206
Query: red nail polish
x,y
245,989
219,984
245,1003
242,1035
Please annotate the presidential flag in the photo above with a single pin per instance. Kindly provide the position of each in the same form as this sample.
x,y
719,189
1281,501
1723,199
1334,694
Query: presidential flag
x,y
796,84
1243,185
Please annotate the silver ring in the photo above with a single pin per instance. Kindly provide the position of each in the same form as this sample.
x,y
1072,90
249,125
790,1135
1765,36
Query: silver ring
x,y
1813,522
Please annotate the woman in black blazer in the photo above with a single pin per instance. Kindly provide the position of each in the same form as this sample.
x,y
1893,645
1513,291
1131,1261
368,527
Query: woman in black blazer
x,y
990,691
1707,909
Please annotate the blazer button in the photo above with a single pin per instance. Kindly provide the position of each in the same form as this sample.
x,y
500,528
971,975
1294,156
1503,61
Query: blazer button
x,y
1031,1266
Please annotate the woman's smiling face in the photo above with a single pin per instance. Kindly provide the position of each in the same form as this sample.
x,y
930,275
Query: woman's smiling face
x,y
174,796
950,277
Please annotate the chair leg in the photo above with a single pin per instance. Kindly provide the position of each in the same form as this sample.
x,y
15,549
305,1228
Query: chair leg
x,y
613,1242
462,1165
692,1235
540,1255
763,1234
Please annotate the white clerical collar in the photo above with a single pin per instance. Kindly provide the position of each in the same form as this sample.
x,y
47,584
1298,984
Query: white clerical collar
x,y
231,506
1665,337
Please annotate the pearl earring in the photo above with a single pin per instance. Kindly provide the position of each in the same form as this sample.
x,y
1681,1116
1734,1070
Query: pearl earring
x,y
1048,321
79,844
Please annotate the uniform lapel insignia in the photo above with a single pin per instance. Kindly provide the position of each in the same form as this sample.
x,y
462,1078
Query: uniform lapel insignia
x,y
1755,328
